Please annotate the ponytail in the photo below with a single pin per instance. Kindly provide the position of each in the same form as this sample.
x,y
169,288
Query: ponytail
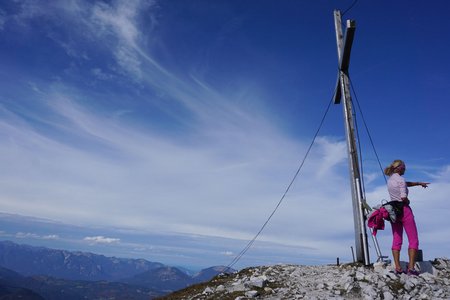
x,y
389,170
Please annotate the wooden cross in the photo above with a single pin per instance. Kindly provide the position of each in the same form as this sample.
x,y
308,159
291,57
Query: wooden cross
x,y
342,91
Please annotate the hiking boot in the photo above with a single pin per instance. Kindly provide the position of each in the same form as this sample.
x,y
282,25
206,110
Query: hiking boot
x,y
413,272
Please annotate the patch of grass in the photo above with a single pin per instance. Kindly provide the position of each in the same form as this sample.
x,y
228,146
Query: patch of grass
x,y
222,279
395,286
196,288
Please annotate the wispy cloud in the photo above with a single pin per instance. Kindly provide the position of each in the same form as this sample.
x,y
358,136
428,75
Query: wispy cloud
x,y
23,235
31,235
100,74
101,240
138,178
120,22
51,237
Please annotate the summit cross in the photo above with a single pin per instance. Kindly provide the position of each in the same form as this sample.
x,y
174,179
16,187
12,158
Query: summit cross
x,y
342,91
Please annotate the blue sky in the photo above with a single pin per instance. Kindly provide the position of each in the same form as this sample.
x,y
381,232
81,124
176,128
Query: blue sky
x,y
188,119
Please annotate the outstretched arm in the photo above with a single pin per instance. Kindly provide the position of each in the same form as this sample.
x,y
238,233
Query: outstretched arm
x,y
422,184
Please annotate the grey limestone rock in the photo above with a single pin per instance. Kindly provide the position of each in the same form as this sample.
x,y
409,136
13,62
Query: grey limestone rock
x,y
331,282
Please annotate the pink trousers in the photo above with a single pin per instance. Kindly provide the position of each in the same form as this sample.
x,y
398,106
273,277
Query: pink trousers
x,y
407,222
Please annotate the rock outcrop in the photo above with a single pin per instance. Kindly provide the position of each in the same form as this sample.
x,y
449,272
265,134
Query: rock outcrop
x,y
349,281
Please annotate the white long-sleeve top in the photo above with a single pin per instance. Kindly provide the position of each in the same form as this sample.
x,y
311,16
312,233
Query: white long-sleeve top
x,y
397,187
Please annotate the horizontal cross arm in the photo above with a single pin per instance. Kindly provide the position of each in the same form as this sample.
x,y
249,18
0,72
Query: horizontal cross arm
x,y
348,41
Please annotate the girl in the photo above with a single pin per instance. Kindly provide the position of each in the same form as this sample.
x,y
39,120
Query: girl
x,y
398,191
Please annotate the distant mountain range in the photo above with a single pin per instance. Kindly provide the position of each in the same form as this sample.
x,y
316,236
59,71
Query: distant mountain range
x,y
16,286
29,260
42,273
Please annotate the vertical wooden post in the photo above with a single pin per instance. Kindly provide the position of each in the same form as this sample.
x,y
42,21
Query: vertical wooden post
x,y
343,92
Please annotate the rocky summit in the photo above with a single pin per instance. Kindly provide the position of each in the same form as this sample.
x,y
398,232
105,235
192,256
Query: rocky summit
x,y
348,281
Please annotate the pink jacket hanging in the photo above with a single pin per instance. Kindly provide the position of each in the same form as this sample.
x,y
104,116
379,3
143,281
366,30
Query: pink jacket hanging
x,y
376,220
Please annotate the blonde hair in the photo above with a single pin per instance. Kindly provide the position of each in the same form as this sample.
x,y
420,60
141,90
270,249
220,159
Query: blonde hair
x,y
389,170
